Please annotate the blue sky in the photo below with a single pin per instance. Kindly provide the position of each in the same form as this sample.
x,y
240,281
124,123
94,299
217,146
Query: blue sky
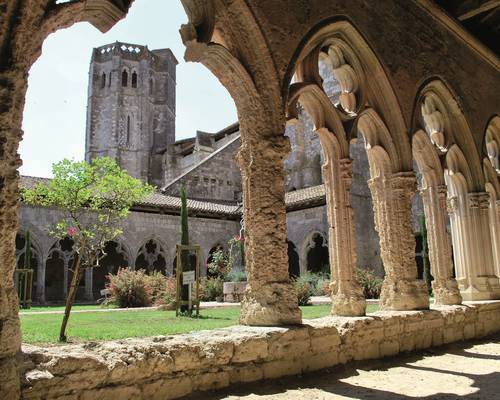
x,y
55,110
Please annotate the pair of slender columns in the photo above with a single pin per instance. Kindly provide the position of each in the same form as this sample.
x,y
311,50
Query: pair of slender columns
x,y
444,286
469,218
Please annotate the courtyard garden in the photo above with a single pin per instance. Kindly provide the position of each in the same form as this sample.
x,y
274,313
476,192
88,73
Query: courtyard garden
x,y
40,327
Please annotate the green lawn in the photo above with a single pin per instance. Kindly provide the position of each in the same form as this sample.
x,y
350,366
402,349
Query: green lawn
x,y
61,308
44,328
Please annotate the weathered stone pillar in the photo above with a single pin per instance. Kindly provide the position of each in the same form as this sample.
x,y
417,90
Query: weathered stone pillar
x,y
269,298
444,286
347,294
392,196
472,243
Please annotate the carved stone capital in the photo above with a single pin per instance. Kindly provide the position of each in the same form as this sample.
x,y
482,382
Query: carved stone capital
x,y
479,200
452,205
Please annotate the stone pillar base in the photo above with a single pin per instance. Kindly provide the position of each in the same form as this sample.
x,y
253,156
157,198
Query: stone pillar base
x,y
446,292
348,305
270,305
404,295
482,288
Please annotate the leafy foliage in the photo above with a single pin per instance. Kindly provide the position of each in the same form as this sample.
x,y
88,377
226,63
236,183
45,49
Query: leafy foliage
x,y
211,289
130,288
371,283
304,290
95,197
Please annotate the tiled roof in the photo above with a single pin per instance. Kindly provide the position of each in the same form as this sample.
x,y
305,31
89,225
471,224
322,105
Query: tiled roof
x,y
296,199
172,202
27,182
305,196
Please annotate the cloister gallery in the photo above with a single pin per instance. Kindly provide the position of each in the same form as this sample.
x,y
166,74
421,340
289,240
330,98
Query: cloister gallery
x,y
416,85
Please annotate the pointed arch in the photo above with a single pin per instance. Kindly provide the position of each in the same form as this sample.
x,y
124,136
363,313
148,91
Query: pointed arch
x,y
440,115
355,62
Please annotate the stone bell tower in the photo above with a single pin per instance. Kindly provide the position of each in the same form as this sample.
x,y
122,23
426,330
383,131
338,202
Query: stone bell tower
x,y
131,108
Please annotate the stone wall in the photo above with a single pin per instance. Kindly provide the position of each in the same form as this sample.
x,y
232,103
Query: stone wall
x,y
215,178
169,367
138,229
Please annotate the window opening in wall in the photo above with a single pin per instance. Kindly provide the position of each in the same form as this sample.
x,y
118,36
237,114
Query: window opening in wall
x,y
103,80
128,129
150,87
124,78
109,80
134,79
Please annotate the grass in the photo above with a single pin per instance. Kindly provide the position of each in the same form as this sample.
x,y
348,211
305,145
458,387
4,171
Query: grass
x,y
82,327
61,308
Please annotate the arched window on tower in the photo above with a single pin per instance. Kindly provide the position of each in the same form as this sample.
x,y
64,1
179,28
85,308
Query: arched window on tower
x,y
109,80
103,80
151,87
128,129
124,78
134,79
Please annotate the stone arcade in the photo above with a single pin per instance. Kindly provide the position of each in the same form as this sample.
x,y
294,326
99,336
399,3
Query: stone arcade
x,y
131,118
415,84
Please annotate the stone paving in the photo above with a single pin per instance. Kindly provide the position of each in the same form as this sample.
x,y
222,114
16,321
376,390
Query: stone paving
x,y
469,370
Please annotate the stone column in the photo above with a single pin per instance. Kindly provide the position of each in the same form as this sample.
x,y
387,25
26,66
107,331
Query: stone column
x,y
473,246
40,279
494,211
89,292
347,294
269,298
444,286
392,196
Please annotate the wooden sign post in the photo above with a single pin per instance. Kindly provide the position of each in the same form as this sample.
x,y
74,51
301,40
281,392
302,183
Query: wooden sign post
x,y
189,277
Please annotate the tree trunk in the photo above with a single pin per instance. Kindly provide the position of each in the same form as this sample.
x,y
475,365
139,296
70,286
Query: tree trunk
x,y
77,274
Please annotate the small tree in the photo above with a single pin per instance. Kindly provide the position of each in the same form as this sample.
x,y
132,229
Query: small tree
x,y
425,252
95,199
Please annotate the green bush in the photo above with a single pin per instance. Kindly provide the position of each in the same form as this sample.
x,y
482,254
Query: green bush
x,y
323,288
371,283
236,276
162,289
316,281
304,290
211,289
129,288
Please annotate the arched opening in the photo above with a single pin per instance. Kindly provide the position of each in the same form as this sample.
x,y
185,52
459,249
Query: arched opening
x,y
134,79
124,78
317,255
151,257
293,260
114,259
58,272
151,88
128,129
103,80
33,263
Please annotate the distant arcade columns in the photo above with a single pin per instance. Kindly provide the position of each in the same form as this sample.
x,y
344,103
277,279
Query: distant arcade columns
x,y
444,286
392,197
469,218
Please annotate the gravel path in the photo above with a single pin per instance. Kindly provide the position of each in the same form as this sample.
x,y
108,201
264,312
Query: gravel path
x,y
469,370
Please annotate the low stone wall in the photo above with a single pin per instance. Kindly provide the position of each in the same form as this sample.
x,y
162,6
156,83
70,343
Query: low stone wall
x,y
168,367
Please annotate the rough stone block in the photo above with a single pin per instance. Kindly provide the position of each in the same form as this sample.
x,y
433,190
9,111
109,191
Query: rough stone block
x,y
323,360
389,348
250,350
248,373
279,368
